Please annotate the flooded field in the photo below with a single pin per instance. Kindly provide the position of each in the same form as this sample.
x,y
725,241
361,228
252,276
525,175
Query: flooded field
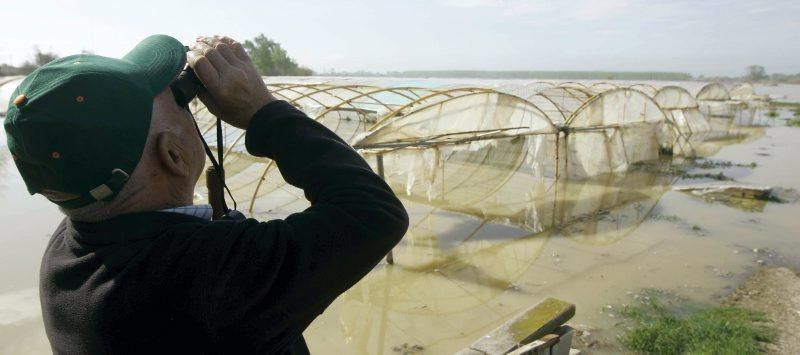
x,y
450,287
474,259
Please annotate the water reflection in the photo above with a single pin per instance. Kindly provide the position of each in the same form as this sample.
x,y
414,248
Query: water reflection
x,y
5,161
26,222
453,265
465,254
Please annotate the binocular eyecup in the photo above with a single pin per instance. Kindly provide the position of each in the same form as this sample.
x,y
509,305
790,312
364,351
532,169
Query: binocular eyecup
x,y
185,87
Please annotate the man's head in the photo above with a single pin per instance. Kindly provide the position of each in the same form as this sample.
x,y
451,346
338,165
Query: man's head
x,y
101,136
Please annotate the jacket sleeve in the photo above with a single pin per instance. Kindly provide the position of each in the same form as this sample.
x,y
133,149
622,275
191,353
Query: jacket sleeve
x,y
273,278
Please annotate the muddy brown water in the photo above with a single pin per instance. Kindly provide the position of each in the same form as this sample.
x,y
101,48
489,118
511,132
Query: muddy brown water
x,y
458,276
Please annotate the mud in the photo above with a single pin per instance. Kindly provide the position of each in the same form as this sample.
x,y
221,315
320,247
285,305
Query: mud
x,y
776,293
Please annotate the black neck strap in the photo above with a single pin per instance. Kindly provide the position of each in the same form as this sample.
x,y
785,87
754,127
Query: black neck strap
x,y
217,165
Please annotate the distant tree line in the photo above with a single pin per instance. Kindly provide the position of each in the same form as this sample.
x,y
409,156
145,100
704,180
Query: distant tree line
x,y
39,58
525,74
268,57
562,75
753,74
757,74
271,59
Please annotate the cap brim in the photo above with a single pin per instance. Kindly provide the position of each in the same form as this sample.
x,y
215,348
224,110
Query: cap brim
x,y
160,58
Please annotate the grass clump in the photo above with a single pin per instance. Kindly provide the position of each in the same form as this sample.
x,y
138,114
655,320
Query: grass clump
x,y
658,329
714,164
718,176
794,122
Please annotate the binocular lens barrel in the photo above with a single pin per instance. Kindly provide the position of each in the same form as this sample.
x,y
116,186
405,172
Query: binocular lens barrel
x,y
185,87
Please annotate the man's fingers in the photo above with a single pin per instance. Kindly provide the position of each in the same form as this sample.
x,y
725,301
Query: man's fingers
x,y
217,60
227,40
227,53
207,40
236,92
204,70
235,46
216,39
239,51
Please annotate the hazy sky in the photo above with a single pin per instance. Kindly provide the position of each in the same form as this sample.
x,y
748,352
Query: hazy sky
x,y
699,37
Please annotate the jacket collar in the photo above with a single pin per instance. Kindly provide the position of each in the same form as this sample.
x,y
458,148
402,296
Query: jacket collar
x,y
128,227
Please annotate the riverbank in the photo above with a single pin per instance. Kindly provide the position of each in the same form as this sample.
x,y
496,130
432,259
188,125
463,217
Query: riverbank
x,y
775,292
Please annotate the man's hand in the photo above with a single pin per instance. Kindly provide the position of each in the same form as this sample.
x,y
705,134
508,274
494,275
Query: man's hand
x,y
235,90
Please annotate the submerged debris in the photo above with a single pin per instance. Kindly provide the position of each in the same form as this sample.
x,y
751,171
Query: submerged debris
x,y
715,164
766,256
750,198
514,288
698,230
718,176
406,349
784,195
666,218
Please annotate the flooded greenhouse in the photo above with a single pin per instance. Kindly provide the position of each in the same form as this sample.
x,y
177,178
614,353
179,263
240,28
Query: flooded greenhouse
x,y
520,191
460,144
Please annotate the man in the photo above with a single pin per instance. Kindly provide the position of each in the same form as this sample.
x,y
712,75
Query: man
x,y
134,268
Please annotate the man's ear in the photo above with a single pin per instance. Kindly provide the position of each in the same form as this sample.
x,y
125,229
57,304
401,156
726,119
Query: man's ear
x,y
172,155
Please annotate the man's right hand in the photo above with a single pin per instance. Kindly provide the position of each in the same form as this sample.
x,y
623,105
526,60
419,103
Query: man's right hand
x,y
235,90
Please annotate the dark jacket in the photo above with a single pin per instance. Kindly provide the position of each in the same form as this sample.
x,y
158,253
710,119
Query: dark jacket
x,y
165,282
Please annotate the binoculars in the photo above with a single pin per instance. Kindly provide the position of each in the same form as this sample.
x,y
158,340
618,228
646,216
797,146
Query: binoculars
x,y
185,87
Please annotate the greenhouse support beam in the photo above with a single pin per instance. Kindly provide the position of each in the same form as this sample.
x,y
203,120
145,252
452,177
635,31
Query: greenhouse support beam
x,y
434,141
390,255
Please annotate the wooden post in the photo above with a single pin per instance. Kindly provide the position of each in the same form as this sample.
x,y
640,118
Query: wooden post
x,y
536,323
390,255
566,155
558,160
216,194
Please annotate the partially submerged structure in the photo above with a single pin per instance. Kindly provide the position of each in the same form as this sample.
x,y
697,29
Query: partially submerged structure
x,y
613,131
692,125
714,100
743,92
445,137
457,146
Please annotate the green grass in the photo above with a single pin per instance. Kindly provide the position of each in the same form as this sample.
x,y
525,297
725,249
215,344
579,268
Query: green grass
x,y
658,329
713,164
794,122
718,176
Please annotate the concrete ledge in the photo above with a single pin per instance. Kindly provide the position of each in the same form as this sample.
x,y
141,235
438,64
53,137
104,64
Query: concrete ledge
x,y
538,321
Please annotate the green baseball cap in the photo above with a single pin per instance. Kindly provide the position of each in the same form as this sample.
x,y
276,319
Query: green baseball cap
x,y
77,126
